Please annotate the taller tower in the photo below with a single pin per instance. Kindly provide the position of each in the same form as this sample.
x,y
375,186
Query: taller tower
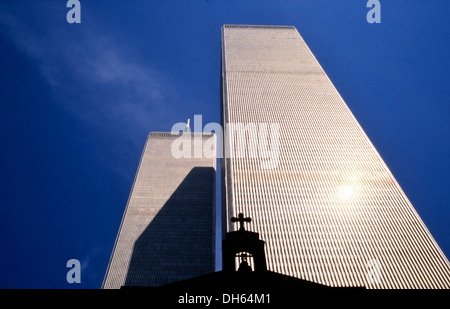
x,y
168,228
300,165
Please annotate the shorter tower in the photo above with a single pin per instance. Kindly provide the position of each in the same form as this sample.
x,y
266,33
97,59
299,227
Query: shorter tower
x,y
167,231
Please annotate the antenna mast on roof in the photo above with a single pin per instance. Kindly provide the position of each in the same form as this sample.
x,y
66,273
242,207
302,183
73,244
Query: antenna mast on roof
x,y
188,129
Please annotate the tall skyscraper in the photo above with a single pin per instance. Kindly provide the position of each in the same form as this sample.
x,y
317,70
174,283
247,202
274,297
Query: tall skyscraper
x,y
323,200
168,227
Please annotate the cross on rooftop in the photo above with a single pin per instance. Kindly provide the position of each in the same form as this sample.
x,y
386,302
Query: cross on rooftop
x,y
241,221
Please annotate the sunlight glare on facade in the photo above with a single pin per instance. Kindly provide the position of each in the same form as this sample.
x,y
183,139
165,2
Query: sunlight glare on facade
x,y
330,211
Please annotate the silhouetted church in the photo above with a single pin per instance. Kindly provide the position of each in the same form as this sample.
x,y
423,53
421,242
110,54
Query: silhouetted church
x,y
243,280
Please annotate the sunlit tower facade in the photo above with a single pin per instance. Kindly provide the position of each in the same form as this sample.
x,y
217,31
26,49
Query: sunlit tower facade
x,y
327,206
167,233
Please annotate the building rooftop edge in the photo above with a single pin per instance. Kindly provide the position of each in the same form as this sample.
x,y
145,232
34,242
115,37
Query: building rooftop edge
x,y
177,134
257,26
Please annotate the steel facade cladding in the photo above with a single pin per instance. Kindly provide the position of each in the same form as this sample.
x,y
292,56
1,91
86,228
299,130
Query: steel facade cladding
x,y
168,227
330,211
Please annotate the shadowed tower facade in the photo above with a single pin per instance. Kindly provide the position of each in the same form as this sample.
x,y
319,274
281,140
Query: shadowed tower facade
x,y
327,206
168,227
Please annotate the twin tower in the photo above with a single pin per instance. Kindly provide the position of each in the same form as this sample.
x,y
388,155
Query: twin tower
x,y
329,210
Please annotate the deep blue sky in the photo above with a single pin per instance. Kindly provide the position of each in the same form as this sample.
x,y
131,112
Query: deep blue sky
x,y
78,100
